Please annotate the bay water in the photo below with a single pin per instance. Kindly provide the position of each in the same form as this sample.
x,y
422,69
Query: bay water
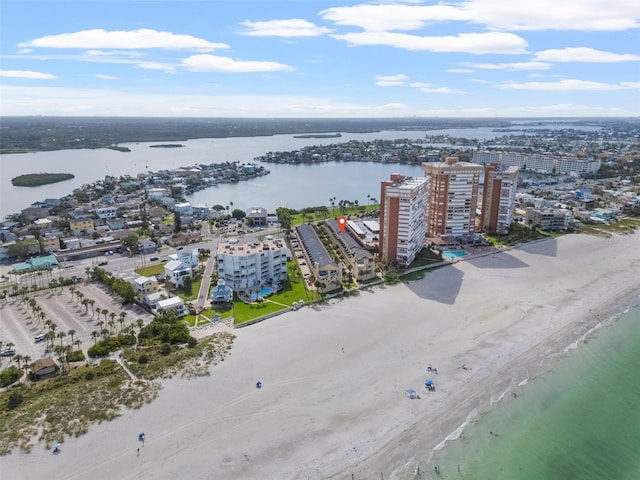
x,y
580,421
295,186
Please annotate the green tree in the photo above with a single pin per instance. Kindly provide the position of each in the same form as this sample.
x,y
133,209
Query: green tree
x,y
238,214
284,218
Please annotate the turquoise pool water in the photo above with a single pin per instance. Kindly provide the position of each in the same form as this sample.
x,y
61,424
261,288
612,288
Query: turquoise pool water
x,y
262,293
453,254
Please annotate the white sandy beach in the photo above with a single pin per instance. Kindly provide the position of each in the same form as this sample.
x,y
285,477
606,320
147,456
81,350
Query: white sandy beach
x,y
328,413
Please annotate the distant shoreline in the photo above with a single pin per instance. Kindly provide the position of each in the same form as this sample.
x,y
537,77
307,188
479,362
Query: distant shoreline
x,y
319,135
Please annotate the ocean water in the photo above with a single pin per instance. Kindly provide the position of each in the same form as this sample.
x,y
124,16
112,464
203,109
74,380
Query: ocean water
x,y
579,421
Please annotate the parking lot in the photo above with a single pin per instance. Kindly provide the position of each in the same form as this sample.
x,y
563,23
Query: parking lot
x,y
18,326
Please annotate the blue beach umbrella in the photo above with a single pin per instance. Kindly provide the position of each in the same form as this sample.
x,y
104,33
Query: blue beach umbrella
x,y
428,382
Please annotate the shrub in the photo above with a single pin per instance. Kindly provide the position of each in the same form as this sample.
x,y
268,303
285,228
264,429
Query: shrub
x,y
75,356
192,342
143,359
10,375
98,350
15,399
89,376
165,349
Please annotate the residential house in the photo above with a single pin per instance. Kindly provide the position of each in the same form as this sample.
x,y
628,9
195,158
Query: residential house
x,y
145,286
172,303
175,272
221,293
81,224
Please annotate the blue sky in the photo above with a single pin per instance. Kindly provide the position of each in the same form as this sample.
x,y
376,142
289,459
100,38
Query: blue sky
x,y
306,58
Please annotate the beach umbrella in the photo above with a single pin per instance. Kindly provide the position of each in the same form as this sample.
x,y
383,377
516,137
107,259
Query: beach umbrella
x,y
428,382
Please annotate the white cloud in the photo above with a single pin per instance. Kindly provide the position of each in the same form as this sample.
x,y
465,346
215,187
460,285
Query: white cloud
x,y
212,63
384,18
509,66
105,77
294,27
132,39
570,85
476,43
429,88
163,67
108,53
504,15
391,80
584,54
581,15
459,70
26,74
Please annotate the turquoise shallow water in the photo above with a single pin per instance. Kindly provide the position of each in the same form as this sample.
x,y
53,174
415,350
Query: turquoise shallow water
x,y
579,421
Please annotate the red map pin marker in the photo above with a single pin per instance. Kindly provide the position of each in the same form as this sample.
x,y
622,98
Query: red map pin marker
x,y
342,222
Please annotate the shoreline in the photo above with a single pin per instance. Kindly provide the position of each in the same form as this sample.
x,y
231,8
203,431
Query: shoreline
x,y
534,363
327,413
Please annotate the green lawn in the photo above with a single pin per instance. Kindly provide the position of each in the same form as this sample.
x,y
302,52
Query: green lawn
x,y
294,291
331,213
151,270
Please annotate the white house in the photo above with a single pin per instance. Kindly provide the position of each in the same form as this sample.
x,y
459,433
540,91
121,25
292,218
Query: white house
x,y
175,272
188,257
173,303
107,212
183,208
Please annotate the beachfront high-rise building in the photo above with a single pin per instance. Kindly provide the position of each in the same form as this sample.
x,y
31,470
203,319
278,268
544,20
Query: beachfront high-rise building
x,y
402,221
248,267
452,199
498,198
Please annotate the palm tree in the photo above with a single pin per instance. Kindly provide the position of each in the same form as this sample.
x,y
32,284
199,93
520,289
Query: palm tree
x,y
51,336
95,336
92,303
26,359
71,333
77,344
85,303
98,311
121,319
18,359
72,289
61,335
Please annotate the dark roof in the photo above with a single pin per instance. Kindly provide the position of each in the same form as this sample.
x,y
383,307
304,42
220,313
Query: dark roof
x,y
42,364
349,243
313,246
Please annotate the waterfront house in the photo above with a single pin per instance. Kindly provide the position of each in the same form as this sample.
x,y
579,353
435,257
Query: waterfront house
x,y
221,293
172,303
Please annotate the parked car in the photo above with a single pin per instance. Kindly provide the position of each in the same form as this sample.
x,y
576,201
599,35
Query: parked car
x,y
40,338
154,259
7,351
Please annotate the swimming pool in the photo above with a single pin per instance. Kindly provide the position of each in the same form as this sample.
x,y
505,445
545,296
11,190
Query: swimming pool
x,y
453,254
266,291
